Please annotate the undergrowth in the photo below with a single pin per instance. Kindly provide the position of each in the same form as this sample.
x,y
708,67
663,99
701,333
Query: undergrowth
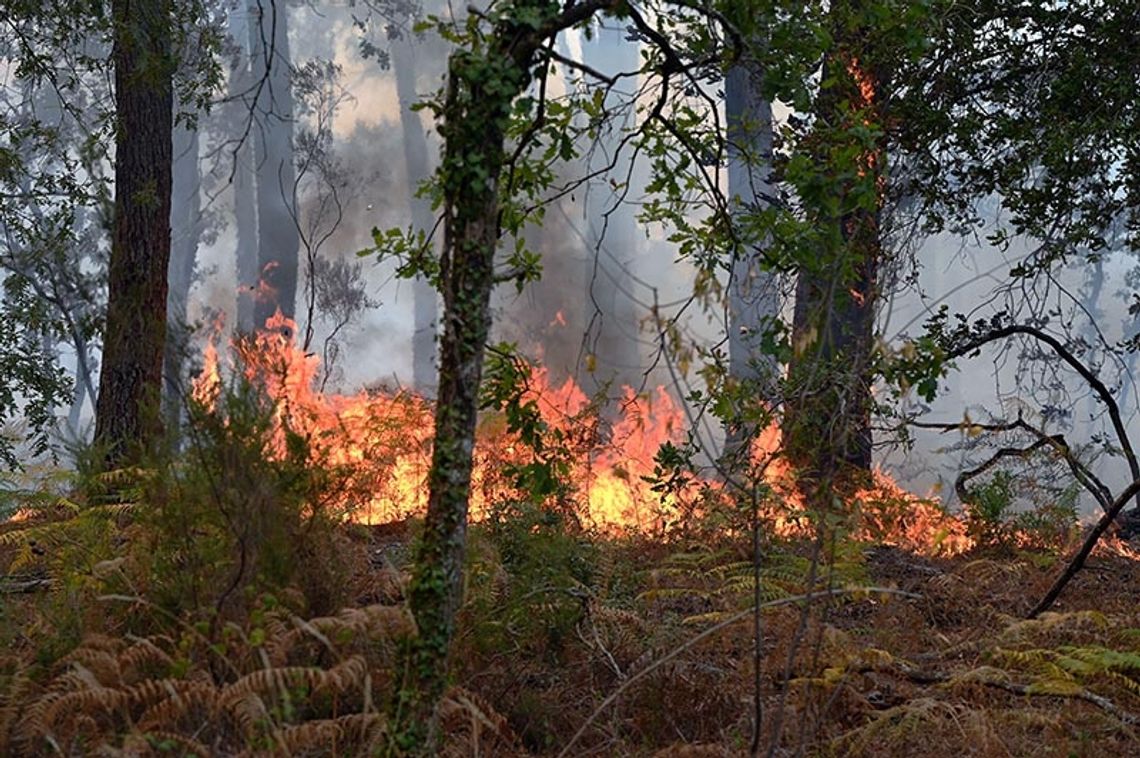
x,y
215,602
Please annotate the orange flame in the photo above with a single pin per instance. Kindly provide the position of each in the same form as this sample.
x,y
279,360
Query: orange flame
x,y
384,440
388,436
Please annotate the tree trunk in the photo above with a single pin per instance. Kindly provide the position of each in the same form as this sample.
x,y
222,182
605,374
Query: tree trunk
x,y
244,184
754,298
127,414
278,241
416,159
610,228
481,89
828,412
185,231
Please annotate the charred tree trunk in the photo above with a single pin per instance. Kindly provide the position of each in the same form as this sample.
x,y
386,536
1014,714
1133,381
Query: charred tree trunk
x,y
127,414
273,283
416,159
754,298
186,210
278,241
828,411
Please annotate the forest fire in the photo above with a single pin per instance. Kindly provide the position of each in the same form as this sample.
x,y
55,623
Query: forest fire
x,y
387,435
382,439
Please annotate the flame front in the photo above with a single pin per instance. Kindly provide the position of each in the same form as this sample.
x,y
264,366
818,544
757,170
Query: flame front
x,y
383,440
386,436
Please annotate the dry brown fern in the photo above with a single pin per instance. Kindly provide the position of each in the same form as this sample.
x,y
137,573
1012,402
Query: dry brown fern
x,y
197,698
345,735
471,726
378,627
144,654
276,682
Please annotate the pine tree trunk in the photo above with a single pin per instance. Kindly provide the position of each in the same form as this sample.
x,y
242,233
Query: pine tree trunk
x,y
127,415
244,184
185,231
278,241
611,230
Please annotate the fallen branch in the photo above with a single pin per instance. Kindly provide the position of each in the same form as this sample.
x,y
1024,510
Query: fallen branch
x,y
937,677
1078,560
12,586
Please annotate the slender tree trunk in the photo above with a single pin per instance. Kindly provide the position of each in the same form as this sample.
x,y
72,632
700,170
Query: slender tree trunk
x,y
416,159
244,185
127,414
828,413
185,225
610,229
754,298
278,241
481,89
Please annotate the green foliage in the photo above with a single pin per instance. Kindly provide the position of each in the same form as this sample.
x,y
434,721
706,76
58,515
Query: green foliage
x,y
236,515
528,580
506,388
995,519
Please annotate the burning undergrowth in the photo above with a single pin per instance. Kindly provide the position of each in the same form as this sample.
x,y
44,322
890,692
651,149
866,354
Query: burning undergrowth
x,y
208,613
608,473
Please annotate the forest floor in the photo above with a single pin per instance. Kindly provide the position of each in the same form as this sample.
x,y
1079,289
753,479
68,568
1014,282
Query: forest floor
x,y
573,644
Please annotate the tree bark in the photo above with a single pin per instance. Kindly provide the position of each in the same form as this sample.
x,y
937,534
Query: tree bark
x,y
754,298
610,228
127,414
244,184
481,89
278,241
185,223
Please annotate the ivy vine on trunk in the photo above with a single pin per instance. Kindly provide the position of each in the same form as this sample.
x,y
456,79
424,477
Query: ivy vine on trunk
x,y
484,79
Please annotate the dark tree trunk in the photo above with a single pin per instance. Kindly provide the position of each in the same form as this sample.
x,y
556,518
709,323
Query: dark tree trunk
x,y
278,241
242,89
127,414
425,297
185,223
828,412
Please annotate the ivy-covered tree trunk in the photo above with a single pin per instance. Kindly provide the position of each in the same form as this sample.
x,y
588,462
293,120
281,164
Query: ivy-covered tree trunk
x,y
127,413
828,411
481,89
482,84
